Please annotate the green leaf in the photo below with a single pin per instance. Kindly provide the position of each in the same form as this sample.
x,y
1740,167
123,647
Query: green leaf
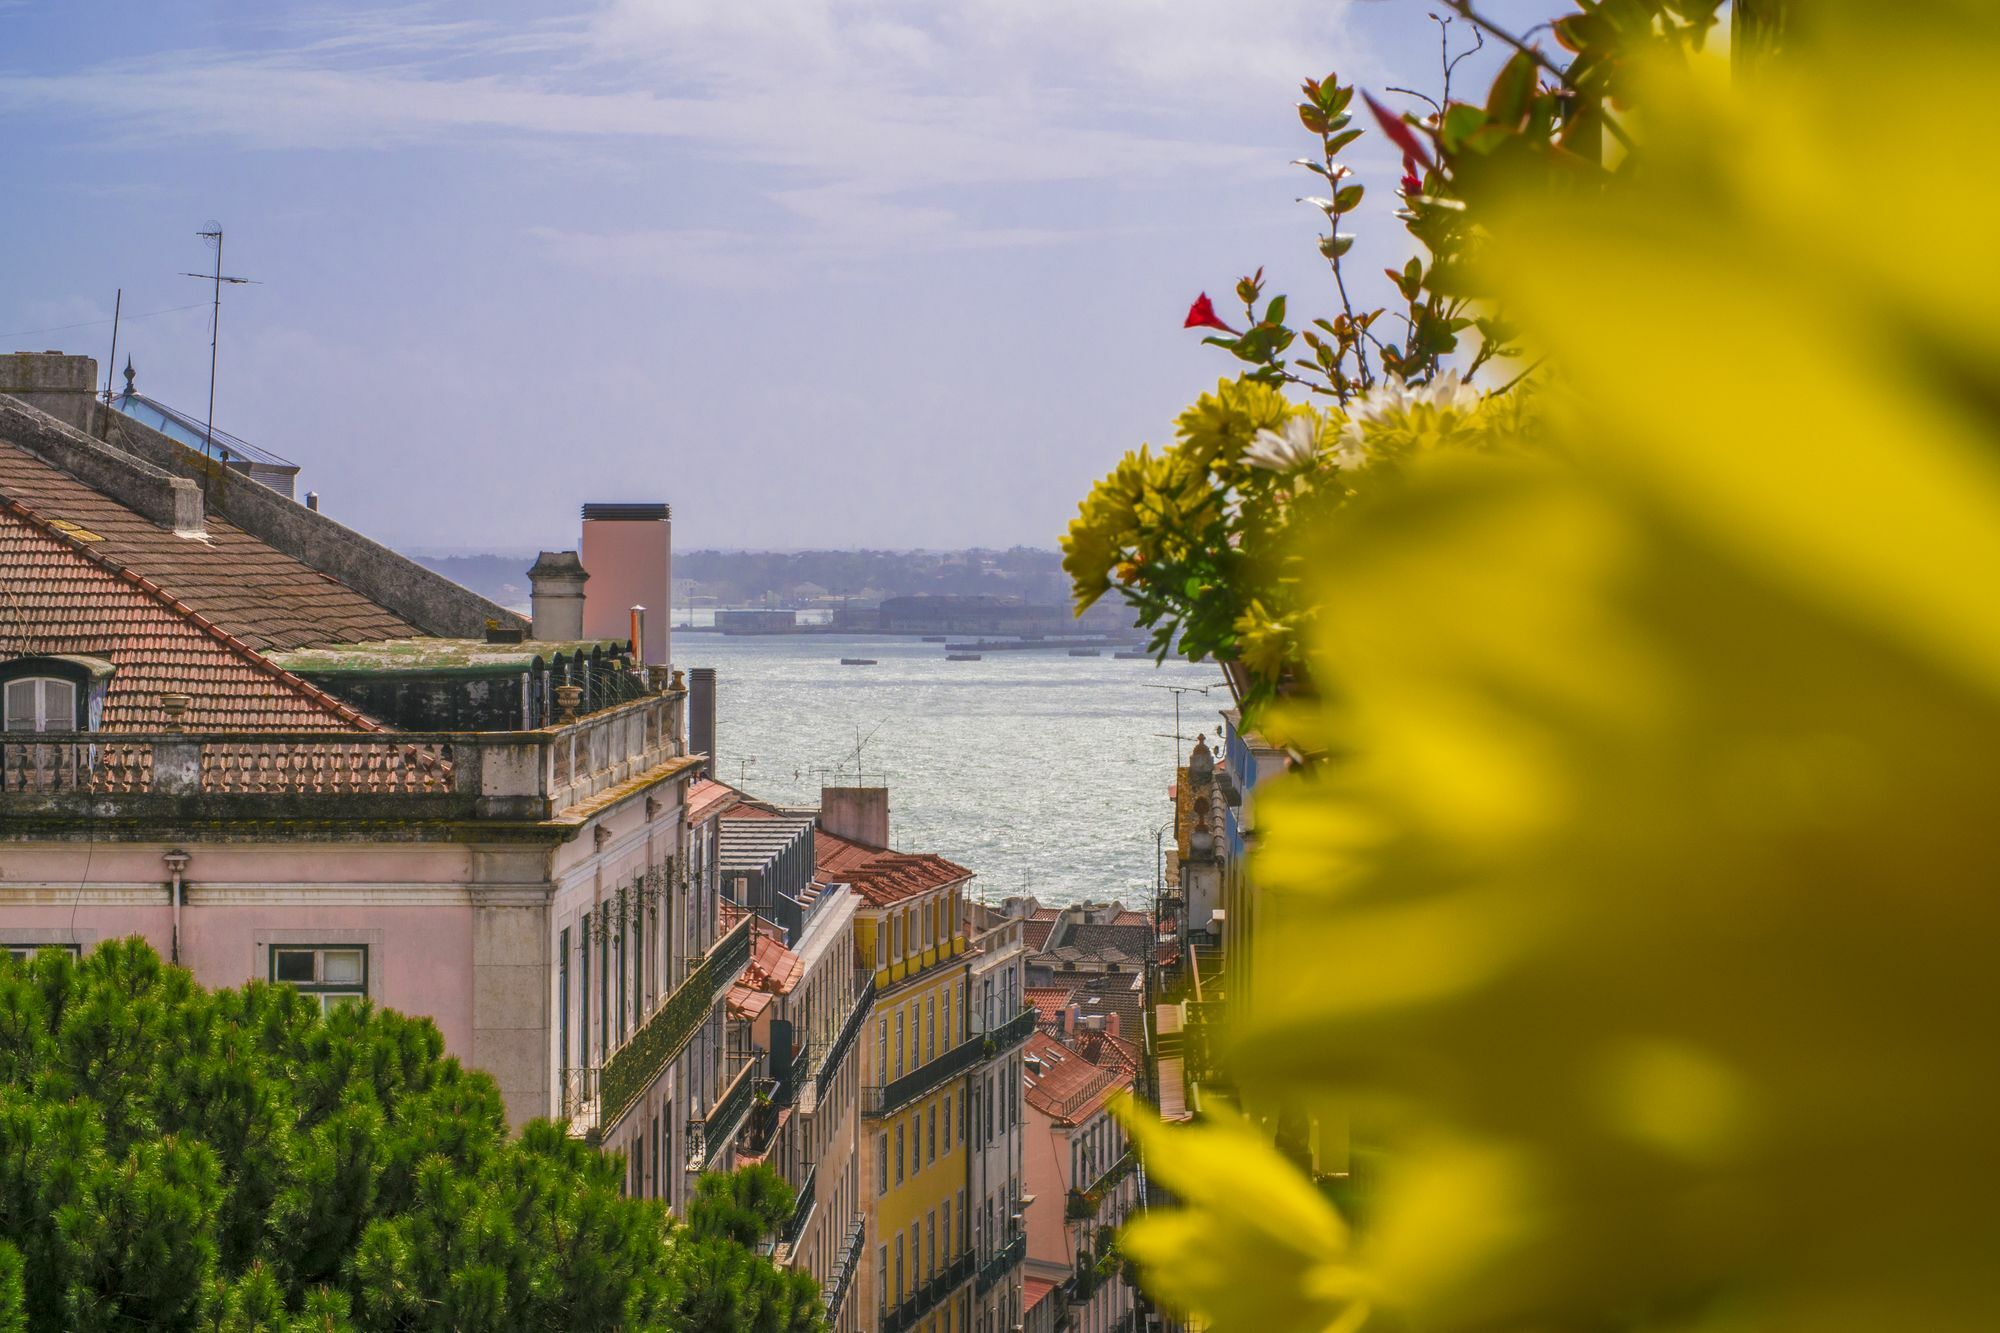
x,y
1341,140
1508,100
1275,312
1346,198
1461,120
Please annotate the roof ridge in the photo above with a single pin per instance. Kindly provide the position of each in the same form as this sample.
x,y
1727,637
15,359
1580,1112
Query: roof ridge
x,y
296,684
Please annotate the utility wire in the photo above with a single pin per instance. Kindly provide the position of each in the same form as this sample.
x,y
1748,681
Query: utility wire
x,y
93,323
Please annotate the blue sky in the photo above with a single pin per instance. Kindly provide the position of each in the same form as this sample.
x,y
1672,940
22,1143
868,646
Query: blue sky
x,y
817,272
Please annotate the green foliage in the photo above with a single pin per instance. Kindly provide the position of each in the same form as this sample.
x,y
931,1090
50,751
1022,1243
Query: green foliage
x,y
176,1158
728,1287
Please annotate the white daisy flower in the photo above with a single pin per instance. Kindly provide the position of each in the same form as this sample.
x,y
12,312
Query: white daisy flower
x,y
1292,451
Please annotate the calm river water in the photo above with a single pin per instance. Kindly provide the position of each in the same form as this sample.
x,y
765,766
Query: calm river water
x,y
1043,773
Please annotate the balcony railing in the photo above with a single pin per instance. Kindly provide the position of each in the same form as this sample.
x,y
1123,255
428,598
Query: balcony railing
x,y
829,1065
666,1032
974,1050
910,1311
709,1136
1085,1202
802,1210
841,1280
338,774
1004,1260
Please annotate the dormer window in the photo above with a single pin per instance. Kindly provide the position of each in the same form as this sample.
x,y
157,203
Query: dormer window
x,y
53,693
41,703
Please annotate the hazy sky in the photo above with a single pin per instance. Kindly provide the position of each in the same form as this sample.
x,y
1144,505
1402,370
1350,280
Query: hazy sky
x,y
816,272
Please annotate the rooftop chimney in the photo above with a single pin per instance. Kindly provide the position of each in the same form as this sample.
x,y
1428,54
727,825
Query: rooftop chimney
x,y
859,814
628,548
701,714
556,597
61,385
1111,1023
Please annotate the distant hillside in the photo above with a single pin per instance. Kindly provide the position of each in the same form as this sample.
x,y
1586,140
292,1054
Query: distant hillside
x,y
751,578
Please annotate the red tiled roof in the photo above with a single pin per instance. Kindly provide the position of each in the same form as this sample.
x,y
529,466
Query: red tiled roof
x,y
1049,1001
1035,1290
1068,1088
1107,1052
879,875
252,591
59,596
1035,931
707,797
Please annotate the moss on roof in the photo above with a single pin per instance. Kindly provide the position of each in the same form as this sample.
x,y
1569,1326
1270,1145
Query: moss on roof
x,y
438,657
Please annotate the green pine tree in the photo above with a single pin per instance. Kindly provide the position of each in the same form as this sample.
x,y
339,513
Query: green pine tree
x,y
228,1161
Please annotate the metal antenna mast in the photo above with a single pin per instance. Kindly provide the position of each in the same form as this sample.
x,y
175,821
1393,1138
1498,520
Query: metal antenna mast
x,y
1179,690
111,367
212,233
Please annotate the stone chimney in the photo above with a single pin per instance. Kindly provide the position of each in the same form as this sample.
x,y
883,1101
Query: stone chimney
x,y
1111,1024
57,383
701,714
555,596
859,814
629,550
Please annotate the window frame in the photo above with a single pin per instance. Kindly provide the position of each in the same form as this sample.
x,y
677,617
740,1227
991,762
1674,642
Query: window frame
x,y
359,990
85,676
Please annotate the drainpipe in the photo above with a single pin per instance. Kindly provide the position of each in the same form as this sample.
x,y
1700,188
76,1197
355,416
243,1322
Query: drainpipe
x,y
177,863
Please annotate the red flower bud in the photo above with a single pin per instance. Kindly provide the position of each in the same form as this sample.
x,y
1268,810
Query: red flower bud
x,y
1201,315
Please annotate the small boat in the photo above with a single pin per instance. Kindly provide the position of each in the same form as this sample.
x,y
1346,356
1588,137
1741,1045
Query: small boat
x,y
1085,652
933,638
857,661
1132,656
961,657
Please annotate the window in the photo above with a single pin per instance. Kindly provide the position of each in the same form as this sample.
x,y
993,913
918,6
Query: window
x,y
947,1228
947,1122
882,1050
896,937
899,1154
933,1131
583,1000
639,1166
899,1043
41,703
881,1164
899,1267
916,1142
618,962
882,1277
25,953
930,1244
333,976
562,1003
930,1028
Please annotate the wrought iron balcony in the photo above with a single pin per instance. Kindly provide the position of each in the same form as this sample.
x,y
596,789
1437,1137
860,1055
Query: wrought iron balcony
x,y
1004,1260
841,1280
668,1029
829,1065
708,1137
802,1210
973,1051
909,1312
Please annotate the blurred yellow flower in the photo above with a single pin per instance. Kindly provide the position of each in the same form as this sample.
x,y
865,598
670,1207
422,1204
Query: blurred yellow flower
x,y
1648,912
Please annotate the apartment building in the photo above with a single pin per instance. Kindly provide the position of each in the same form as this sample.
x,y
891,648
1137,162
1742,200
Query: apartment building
x,y
282,753
993,1130
1080,1170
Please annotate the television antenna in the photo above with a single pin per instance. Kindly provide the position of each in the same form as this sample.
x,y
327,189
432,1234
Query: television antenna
x,y
1180,690
211,232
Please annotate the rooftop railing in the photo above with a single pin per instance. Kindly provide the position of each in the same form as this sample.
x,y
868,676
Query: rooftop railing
x,y
338,774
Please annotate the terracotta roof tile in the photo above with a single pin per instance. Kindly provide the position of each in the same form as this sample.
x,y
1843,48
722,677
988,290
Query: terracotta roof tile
x,y
881,876
56,597
1067,1088
253,591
